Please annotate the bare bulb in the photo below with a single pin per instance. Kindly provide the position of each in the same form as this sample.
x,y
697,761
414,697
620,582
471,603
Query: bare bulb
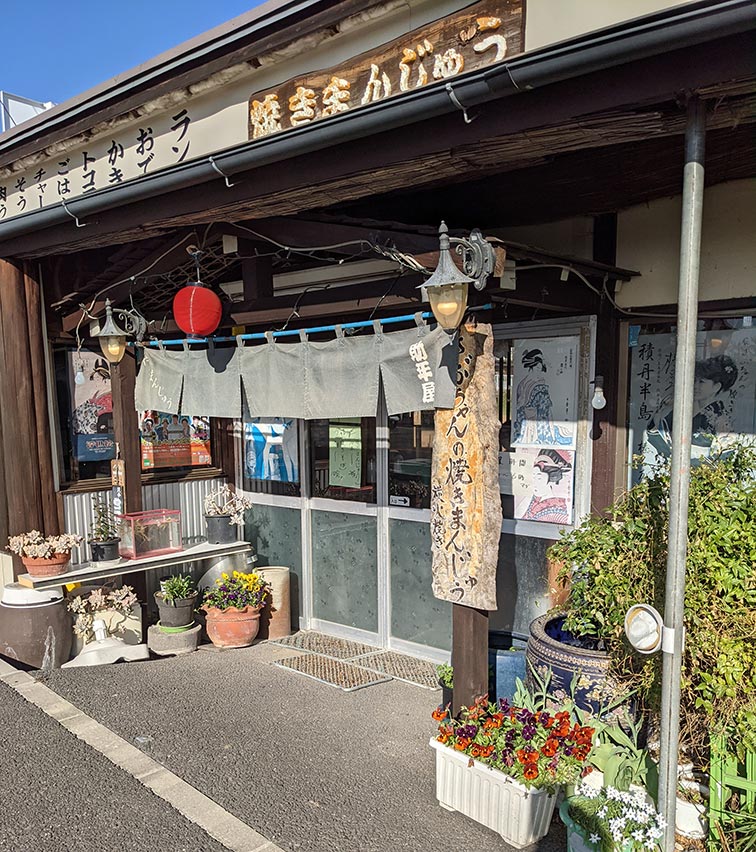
x,y
599,400
447,308
80,378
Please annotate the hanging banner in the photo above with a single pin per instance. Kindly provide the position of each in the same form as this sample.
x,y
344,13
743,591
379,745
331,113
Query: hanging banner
x,y
168,440
270,449
345,453
159,381
542,484
91,407
545,381
465,505
724,394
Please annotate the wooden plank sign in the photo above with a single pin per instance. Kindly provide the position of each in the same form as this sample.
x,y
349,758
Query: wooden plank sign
x,y
480,35
118,482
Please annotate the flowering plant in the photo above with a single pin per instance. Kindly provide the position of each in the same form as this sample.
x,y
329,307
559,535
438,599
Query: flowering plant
x,y
121,600
223,502
615,820
34,545
237,590
539,748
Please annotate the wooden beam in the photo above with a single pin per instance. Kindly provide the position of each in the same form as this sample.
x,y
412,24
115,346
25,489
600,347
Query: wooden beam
x,y
469,655
257,272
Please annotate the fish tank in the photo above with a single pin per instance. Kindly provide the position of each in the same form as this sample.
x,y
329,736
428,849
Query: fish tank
x,y
153,533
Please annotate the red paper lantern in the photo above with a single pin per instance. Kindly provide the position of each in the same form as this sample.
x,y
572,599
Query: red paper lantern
x,y
197,310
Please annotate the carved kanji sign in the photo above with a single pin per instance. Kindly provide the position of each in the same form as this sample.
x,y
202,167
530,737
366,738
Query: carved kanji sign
x,y
483,34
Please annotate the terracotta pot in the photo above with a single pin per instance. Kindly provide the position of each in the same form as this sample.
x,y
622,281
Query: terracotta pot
x,y
47,567
232,628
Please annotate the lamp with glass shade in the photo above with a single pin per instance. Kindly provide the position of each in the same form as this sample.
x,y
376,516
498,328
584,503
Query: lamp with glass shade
x,y
112,337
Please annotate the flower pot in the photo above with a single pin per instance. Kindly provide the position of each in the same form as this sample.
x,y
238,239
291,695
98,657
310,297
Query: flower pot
x,y
179,613
550,647
220,531
47,567
232,628
447,695
577,837
520,815
104,551
691,819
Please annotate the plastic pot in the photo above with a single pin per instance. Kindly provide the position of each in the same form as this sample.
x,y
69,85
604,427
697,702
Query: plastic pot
x,y
104,551
178,613
220,531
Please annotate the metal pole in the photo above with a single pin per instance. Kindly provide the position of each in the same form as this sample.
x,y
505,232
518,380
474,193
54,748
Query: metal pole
x,y
687,314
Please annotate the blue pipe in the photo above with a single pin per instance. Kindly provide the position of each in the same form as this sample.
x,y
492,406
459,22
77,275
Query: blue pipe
x,y
294,332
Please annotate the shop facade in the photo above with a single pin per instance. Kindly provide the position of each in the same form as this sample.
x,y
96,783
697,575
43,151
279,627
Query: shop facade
x,y
310,213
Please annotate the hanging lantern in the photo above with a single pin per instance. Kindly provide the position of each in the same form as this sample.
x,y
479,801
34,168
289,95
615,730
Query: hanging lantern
x,y
197,310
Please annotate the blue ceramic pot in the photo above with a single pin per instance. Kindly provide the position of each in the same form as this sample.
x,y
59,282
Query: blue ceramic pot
x,y
551,647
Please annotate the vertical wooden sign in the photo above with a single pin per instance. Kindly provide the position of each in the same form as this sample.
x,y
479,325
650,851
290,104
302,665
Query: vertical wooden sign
x,y
118,483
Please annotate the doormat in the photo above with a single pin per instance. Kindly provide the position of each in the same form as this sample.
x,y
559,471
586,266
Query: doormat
x,y
328,646
334,672
401,667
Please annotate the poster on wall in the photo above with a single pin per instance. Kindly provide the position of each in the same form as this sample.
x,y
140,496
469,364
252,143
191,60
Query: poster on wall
x,y
542,484
345,453
270,449
545,382
91,407
170,440
724,394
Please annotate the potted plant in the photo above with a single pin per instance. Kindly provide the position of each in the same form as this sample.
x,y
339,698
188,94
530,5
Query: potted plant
x,y
224,514
44,556
691,811
446,681
501,764
610,820
176,600
103,539
115,607
233,607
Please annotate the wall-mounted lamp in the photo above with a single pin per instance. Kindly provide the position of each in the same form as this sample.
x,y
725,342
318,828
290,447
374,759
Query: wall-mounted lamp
x,y
599,400
113,338
447,288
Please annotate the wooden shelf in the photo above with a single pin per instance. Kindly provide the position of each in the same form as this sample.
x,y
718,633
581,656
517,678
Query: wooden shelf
x,y
99,571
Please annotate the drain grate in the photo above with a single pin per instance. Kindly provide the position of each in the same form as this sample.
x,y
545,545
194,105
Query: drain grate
x,y
401,667
334,672
328,646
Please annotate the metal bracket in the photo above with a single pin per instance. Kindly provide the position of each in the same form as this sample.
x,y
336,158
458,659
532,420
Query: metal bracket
x,y
224,176
455,100
478,257
72,215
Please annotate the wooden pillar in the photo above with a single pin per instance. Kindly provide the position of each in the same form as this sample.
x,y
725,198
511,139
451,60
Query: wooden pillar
x,y
26,475
469,654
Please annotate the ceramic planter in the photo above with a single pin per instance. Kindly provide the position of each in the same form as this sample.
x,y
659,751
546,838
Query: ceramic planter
x,y
179,613
47,567
691,819
232,628
104,551
520,815
220,531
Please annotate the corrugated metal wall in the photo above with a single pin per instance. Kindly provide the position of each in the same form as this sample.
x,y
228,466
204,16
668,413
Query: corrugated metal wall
x,y
187,496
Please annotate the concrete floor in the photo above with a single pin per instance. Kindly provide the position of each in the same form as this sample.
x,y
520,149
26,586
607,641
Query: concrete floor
x,y
310,767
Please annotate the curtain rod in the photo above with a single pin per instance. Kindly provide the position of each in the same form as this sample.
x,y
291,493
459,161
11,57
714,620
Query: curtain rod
x,y
260,335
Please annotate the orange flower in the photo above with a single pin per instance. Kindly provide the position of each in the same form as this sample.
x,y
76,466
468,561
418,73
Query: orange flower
x,y
530,772
439,714
443,738
580,753
462,743
550,747
475,750
486,751
563,730
546,720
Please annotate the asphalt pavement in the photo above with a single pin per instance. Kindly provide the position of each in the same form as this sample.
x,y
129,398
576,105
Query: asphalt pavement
x,y
57,794
310,767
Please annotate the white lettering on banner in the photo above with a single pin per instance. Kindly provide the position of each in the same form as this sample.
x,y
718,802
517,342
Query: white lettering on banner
x,y
419,355
158,388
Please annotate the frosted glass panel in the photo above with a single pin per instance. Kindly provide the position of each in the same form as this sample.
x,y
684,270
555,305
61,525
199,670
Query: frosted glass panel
x,y
416,615
344,569
275,534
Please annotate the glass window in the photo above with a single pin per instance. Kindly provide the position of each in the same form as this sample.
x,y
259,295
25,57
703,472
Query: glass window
x,y
271,456
410,450
343,459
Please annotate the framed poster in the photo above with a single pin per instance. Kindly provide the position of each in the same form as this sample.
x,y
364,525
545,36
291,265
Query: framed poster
x,y
545,391
170,440
91,407
542,484
270,449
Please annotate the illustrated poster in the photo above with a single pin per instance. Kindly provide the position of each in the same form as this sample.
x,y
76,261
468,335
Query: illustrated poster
x,y
542,484
724,394
168,440
345,453
91,407
270,449
545,381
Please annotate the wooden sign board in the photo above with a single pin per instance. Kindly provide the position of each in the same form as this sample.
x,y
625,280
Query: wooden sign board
x,y
480,35
118,482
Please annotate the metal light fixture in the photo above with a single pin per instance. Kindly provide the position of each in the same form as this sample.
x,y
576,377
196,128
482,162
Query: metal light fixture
x,y
644,628
113,338
447,288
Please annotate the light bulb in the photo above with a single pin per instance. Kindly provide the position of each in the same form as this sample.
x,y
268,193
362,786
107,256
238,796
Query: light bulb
x,y
447,308
599,400
80,378
113,347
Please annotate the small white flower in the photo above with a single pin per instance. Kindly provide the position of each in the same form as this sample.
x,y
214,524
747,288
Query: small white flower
x,y
594,838
602,812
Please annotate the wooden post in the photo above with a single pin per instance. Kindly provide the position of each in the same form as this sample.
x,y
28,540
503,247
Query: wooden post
x,y
469,654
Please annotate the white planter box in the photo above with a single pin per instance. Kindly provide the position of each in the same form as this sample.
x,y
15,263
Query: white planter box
x,y
519,815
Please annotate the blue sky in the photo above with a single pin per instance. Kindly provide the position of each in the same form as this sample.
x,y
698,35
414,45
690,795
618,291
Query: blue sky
x,y
54,49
